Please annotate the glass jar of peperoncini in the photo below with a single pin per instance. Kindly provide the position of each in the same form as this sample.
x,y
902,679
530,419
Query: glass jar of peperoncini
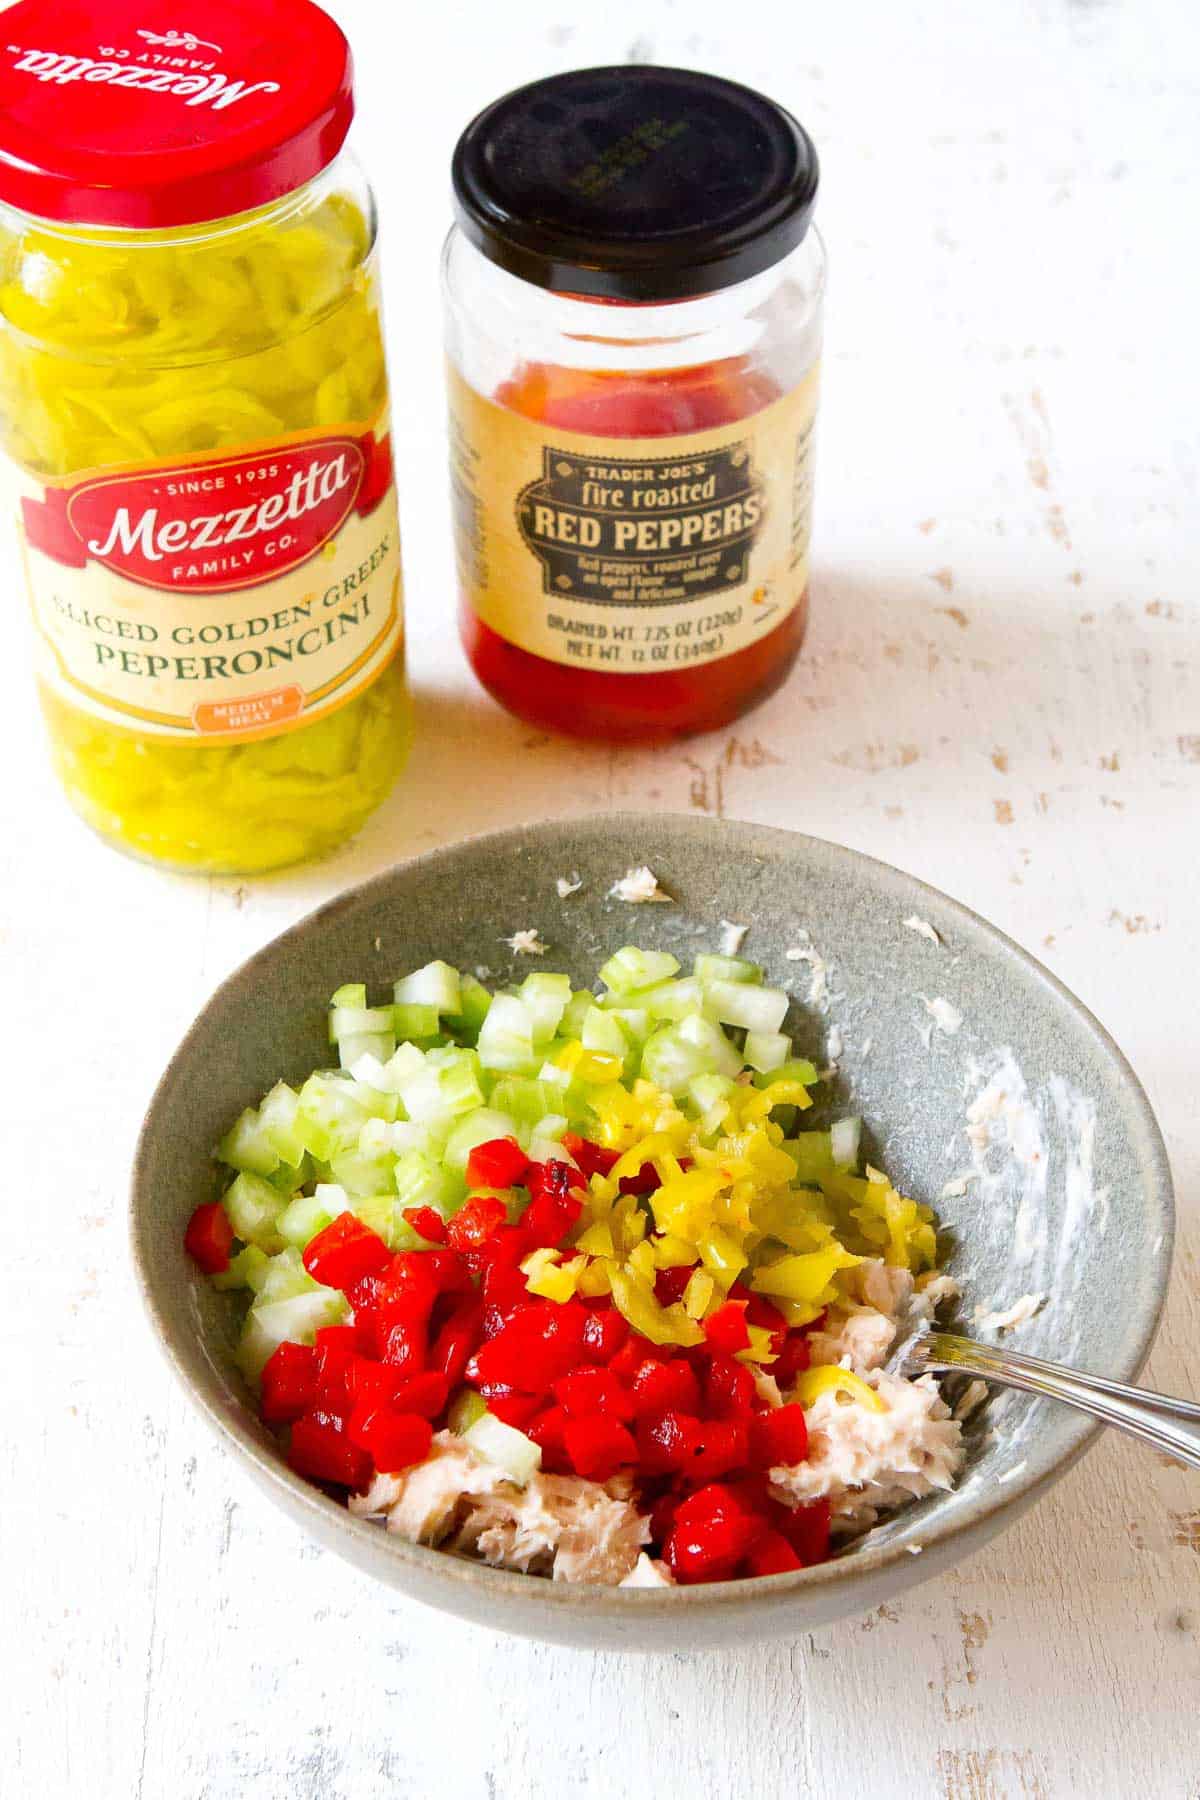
x,y
193,404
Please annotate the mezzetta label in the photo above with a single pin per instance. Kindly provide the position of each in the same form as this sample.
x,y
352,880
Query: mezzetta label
x,y
219,597
578,550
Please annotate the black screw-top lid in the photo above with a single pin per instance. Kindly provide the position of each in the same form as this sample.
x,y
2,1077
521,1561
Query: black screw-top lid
x,y
634,183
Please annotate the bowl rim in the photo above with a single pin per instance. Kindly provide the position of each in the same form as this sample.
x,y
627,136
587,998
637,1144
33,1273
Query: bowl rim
x,y
980,1513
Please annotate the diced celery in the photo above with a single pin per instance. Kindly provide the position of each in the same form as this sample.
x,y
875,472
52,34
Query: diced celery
x,y
360,1021
479,1127
473,1004
844,1139
248,1269
634,1022
632,968
798,1069
285,1277
413,1021
672,999
247,1145
748,1007
812,1153
310,1213
767,1050
548,1148
526,1100
726,968
360,1174
549,1130
436,985
466,1407
329,1113
546,998
578,1007
376,1103
711,1041
296,1320
381,1212
506,1036
509,1449
459,1078
710,1095
253,1206
671,1062
601,1031
278,1117
288,1179
354,994
422,1182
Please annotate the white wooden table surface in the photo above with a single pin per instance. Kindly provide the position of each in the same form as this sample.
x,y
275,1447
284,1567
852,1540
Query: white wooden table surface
x,y
1001,693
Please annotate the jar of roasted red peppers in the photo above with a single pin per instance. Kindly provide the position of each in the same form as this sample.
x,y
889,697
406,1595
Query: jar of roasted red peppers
x,y
633,295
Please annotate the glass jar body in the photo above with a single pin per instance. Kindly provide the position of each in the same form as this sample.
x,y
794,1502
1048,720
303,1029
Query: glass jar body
x,y
647,379
195,369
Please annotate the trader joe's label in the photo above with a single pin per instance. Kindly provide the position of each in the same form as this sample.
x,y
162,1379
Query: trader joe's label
x,y
220,597
628,554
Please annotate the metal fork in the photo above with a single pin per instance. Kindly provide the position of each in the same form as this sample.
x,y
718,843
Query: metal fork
x,y
1172,1426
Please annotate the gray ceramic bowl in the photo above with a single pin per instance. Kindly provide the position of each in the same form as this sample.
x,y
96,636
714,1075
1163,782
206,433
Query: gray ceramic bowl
x,y
1056,1180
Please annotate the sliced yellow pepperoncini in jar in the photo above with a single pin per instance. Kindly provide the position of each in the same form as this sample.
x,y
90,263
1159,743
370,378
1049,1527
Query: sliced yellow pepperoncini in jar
x,y
193,401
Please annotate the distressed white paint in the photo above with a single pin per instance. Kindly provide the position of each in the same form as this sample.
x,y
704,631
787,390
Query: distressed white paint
x,y
1001,693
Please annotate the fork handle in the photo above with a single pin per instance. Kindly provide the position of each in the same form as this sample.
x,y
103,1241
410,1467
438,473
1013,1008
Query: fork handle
x,y
1172,1426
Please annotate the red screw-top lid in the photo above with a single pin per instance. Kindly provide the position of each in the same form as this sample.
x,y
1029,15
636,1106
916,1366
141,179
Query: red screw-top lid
x,y
138,115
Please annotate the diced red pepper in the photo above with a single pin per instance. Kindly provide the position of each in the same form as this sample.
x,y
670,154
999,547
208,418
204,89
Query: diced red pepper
x,y
449,1270
662,1516
598,1446
380,1385
344,1252
660,1387
209,1238
772,1555
792,1360
593,1159
335,1337
726,1328
555,1203
451,1349
402,1342
411,1282
535,1347
778,1436
712,1533
759,1310
334,1362
547,1430
666,1444
515,1409
504,1292
633,1353
393,1440
476,1222
728,1388
549,1217
500,1163
646,1181
587,1391
670,1283
603,1333
289,1383
720,1447
426,1223
806,1529
321,1451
